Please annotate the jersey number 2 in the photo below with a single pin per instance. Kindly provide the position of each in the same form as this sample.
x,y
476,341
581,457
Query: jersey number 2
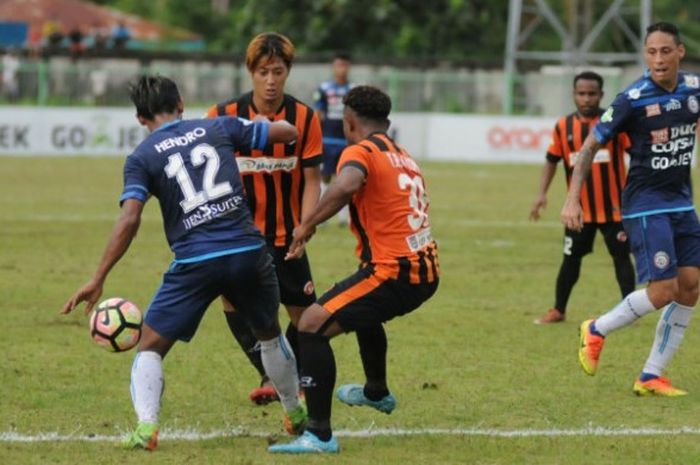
x,y
210,190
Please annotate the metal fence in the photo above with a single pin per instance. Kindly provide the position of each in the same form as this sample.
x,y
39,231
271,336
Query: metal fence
x,y
103,82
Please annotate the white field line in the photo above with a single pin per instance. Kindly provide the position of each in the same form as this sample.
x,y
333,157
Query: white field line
x,y
194,435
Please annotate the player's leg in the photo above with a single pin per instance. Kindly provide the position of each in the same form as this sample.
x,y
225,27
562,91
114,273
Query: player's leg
x,y
651,241
244,336
577,244
174,314
676,316
618,247
252,287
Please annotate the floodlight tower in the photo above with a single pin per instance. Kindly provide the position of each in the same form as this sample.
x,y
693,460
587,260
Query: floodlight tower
x,y
576,31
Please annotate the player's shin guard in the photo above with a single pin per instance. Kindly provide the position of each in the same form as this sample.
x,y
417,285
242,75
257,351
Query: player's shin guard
x,y
281,366
147,385
632,308
244,335
373,347
318,381
669,335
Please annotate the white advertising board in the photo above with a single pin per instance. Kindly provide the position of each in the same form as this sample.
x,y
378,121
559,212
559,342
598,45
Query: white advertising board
x,y
28,131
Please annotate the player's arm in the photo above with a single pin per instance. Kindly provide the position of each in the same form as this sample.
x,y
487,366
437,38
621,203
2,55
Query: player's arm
x,y
572,214
548,171
312,190
350,180
123,233
282,132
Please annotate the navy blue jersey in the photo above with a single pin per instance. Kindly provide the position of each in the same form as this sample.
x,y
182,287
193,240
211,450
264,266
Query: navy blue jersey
x,y
661,126
187,165
329,99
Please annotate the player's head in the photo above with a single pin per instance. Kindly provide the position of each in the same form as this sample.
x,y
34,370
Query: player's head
x,y
366,110
155,96
663,52
588,91
341,67
269,58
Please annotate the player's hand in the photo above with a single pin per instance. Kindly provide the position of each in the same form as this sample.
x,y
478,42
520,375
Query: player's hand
x,y
572,215
300,236
539,205
89,293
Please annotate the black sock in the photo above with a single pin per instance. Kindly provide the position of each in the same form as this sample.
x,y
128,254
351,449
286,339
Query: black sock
x,y
318,381
241,331
568,275
373,348
292,335
624,272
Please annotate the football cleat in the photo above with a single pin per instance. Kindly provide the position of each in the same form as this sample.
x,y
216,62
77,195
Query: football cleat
x,y
354,394
657,387
295,420
552,316
589,351
264,395
144,437
307,443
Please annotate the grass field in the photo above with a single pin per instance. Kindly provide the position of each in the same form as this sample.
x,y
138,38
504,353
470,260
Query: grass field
x,y
477,382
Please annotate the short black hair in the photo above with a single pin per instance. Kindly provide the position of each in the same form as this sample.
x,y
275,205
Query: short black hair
x,y
589,76
668,28
342,55
153,95
368,103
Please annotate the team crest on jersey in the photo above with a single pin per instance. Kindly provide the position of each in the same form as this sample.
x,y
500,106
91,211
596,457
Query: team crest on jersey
x,y
692,81
672,105
653,110
309,288
621,236
659,136
693,105
661,260
607,116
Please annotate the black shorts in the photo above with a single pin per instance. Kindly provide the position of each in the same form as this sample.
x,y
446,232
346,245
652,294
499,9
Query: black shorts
x,y
578,244
369,297
294,276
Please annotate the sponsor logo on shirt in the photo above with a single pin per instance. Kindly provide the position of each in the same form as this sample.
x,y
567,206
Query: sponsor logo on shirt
x,y
693,105
672,105
659,136
213,210
265,164
653,110
677,150
419,240
692,81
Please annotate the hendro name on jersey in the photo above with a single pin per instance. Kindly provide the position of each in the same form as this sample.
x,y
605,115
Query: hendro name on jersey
x,y
181,141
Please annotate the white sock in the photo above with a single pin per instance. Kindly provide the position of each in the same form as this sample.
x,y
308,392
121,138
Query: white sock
x,y
324,188
669,334
147,385
632,308
281,366
344,215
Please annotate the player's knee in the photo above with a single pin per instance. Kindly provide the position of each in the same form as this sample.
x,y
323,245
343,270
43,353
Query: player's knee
x,y
312,319
662,293
688,294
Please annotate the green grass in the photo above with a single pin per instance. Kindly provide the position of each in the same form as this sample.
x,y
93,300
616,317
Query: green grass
x,y
469,358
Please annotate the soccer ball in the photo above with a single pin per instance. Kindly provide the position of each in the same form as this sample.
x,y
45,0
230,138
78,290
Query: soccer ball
x,y
116,324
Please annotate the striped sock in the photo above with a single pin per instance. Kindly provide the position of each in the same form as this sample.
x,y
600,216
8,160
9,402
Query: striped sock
x,y
669,335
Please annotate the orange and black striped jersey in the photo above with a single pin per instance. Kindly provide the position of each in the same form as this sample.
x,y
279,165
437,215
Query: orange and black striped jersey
x,y
274,177
601,193
390,212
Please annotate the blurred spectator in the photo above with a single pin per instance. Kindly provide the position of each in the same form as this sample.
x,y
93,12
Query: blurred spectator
x,y
98,84
53,36
100,36
77,47
10,67
34,42
120,35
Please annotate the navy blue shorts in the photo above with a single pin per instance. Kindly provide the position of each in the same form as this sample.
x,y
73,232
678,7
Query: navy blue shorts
x,y
246,279
331,155
663,242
